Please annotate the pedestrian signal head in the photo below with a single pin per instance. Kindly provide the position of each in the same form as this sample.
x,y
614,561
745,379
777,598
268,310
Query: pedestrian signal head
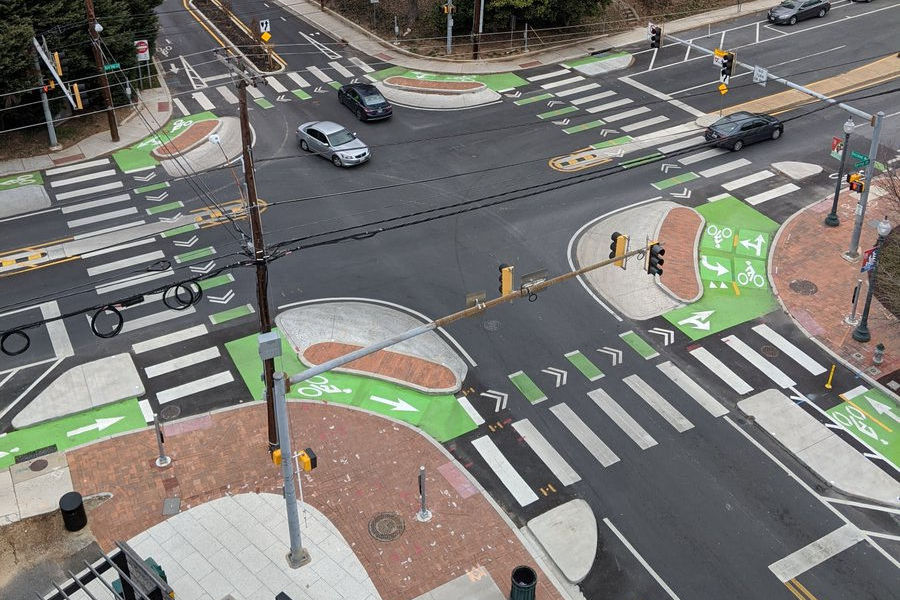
x,y
506,279
276,456
655,259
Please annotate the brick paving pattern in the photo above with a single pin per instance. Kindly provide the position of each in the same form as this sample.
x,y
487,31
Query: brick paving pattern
x,y
679,232
808,250
393,365
184,141
455,86
366,465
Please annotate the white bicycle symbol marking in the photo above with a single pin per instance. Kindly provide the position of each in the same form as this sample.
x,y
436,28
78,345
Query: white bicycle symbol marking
x,y
318,385
719,234
855,418
749,275
165,51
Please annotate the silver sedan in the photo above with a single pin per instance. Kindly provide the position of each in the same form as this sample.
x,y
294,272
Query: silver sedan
x,y
332,141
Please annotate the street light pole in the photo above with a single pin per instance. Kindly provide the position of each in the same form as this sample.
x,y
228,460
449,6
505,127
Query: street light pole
x,y
852,253
861,333
832,219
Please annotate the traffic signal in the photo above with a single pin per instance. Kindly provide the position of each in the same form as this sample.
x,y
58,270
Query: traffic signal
x,y
727,66
655,259
276,456
506,279
856,181
655,36
618,247
448,8
308,460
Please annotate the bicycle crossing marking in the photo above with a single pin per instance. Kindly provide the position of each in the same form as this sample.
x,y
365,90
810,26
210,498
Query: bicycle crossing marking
x,y
658,403
528,387
757,360
547,453
584,435
625,422
584,364
721,370
792,351
504,471
692,389
638,344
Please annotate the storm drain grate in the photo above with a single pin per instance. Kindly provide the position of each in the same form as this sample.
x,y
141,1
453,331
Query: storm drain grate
x,y
804,287
386,527
492,325
170,412
769,351
38,465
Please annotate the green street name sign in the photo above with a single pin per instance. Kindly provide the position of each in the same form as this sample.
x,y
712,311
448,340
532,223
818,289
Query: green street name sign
x,y
111,66
862,158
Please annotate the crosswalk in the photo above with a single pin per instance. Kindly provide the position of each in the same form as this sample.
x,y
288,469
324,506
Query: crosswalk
x,y
640,417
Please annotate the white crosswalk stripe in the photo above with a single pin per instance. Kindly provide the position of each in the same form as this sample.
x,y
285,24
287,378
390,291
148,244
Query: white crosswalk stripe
x,y
584,435
76,167
83,178
759,361
577,90
194,387
562,82
547,453
94,203
128,282
204,102
772,194
118,248
504,471
88,234
182,362
254,91
693,141
658,403
550,75
609,105
747,180
168,339
341,69
101,217
645,123
319,74
227,94
295,77
692,389
721,370
180,106
706,154
126,262
593,97
789,349
276,85
626,114
725,167
96,189
155,319
621,418
359,63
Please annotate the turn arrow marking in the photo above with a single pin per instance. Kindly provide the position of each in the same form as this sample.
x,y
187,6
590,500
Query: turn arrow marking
x,y
719,268
98,424
698,320
398,404
883,409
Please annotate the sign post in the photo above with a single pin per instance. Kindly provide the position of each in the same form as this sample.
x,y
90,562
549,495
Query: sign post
x,y
142,53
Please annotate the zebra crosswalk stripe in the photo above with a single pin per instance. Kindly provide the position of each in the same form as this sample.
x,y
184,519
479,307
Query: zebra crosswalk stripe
x,y
577,90
194,387
627,114
695,158
771,194
792,351
182,362
592,97
747,180
757,360
155,318
658,403
168,339
359,63
295,77
692,389
227,94
609,105
82,178
96,189
550,75
341,69
125,262
578,428
76,167
319,74
725,167
504,471
621,418
276,85
645,123
562,82
547,453
721,370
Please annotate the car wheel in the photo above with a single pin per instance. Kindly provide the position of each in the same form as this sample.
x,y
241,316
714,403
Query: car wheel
x,y
337,161
822,12
359,114
793,21
738,145
776,134
304,146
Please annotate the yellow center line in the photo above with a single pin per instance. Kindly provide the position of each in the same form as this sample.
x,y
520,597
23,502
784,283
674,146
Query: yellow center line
x,y
803,590
856,406
788,585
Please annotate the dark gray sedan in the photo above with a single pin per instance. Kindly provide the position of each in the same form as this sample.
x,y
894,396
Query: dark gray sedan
x,y
742,128
791,11
332,141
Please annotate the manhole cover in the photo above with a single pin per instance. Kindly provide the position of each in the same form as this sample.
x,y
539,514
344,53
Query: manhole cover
x,y
386,527
170,412
804,287
769,351
492,325
38,465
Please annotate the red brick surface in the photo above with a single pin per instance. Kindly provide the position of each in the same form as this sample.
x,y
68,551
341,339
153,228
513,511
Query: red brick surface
x,y
187,139
808,250
396,366
678,232
433,85
366,465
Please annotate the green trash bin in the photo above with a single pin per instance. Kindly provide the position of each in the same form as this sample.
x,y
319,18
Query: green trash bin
x,y
524,582
117,584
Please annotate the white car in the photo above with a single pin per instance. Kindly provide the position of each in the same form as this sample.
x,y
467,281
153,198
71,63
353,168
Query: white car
x,y
334,142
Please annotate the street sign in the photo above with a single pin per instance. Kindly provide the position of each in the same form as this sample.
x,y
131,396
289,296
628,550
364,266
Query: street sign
x,y
142,50
111,67
717,56
862,158
266,36
265,26
723,89
760,75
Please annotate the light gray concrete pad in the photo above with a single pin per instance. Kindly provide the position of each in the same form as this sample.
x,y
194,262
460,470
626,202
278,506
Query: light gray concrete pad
x,y
437,101
569,535
464,586
363,323
23,199
608,65
830,457
9,507
207,155
632,292
797,170
41,494
83,387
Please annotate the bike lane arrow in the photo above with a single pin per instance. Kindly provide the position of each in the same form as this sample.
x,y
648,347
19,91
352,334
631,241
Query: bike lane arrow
x,y
98,424
398,404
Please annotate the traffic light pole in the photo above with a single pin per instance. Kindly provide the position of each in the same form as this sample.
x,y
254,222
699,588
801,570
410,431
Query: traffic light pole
x,y
832,220
853,251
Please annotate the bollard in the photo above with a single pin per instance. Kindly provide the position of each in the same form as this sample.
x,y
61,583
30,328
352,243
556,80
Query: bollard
x,y
878,356
524,582
162,460
830,377
424,515
71,506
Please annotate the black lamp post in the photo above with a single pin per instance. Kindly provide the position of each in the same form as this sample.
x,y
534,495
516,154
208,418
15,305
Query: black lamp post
x,y
861,333
832,219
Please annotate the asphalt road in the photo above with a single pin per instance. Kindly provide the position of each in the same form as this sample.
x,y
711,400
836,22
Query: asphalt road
x,y
705,508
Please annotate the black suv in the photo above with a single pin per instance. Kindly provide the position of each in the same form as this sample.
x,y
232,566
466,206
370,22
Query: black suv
x,y
365,101
742,128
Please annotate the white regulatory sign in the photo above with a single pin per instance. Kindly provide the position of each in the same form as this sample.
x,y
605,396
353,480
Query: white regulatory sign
x,y
760,75
265,26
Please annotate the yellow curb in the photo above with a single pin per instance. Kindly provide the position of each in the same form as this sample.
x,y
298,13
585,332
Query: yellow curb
x,y
874,73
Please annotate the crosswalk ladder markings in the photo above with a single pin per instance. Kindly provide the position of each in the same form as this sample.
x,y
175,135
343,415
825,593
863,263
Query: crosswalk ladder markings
x,y
203,101
276,85
126,262
254,92
724,168
170,338
547,453
341,69
227,94
591,98
658,403
156,318
625,422
96,189
789,349
693,141
645,123
182,362
83,178
76,167
101,217
609,105
319,74
118,248
627,114
504,471
584,435
721,370
757,360
128,282
749,179
296,78
95,203
706,154
692,389
562,82
194,387
770,194
470,410
359,63
550,75
577,90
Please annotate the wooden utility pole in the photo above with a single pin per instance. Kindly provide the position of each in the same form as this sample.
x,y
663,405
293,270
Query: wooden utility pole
x,y
477,21
104,82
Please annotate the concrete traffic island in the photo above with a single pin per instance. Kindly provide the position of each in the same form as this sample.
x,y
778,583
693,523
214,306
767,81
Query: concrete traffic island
x,y
569,535
436,94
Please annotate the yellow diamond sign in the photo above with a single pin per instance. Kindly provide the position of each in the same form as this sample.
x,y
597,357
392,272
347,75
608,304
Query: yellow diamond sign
x,y
266,36
723,89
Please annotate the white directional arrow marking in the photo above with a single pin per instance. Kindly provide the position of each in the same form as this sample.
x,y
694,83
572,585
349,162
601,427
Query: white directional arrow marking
x,y
555,102
755,244
204,269
145,178
398,404
666,166
560,375
883,409
667,334
719,268
319,90
161,196
514,94
563,122
354,80
618,153
606,132
281,98
188,243
222,299
173,68
98,424
171,219
613,352
698,320
500,397
685,194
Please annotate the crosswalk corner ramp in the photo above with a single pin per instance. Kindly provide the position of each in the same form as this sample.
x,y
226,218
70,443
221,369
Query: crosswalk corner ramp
x,y
568,533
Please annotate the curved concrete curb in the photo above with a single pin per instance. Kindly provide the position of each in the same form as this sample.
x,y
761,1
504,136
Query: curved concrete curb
x,y
797,171
569,535
695,250
206,155
432,101
415,86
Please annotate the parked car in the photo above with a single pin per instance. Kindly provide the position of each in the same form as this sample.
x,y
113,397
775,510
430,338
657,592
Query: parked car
x,y
741,128
791,11
365,101
332,141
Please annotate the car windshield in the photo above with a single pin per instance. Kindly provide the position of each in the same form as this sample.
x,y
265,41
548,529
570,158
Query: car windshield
x,y
372,99
788,4
728,124
339,138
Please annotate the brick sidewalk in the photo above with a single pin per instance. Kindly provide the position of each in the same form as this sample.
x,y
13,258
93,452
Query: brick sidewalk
x,y
815,283
366,465
679,234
